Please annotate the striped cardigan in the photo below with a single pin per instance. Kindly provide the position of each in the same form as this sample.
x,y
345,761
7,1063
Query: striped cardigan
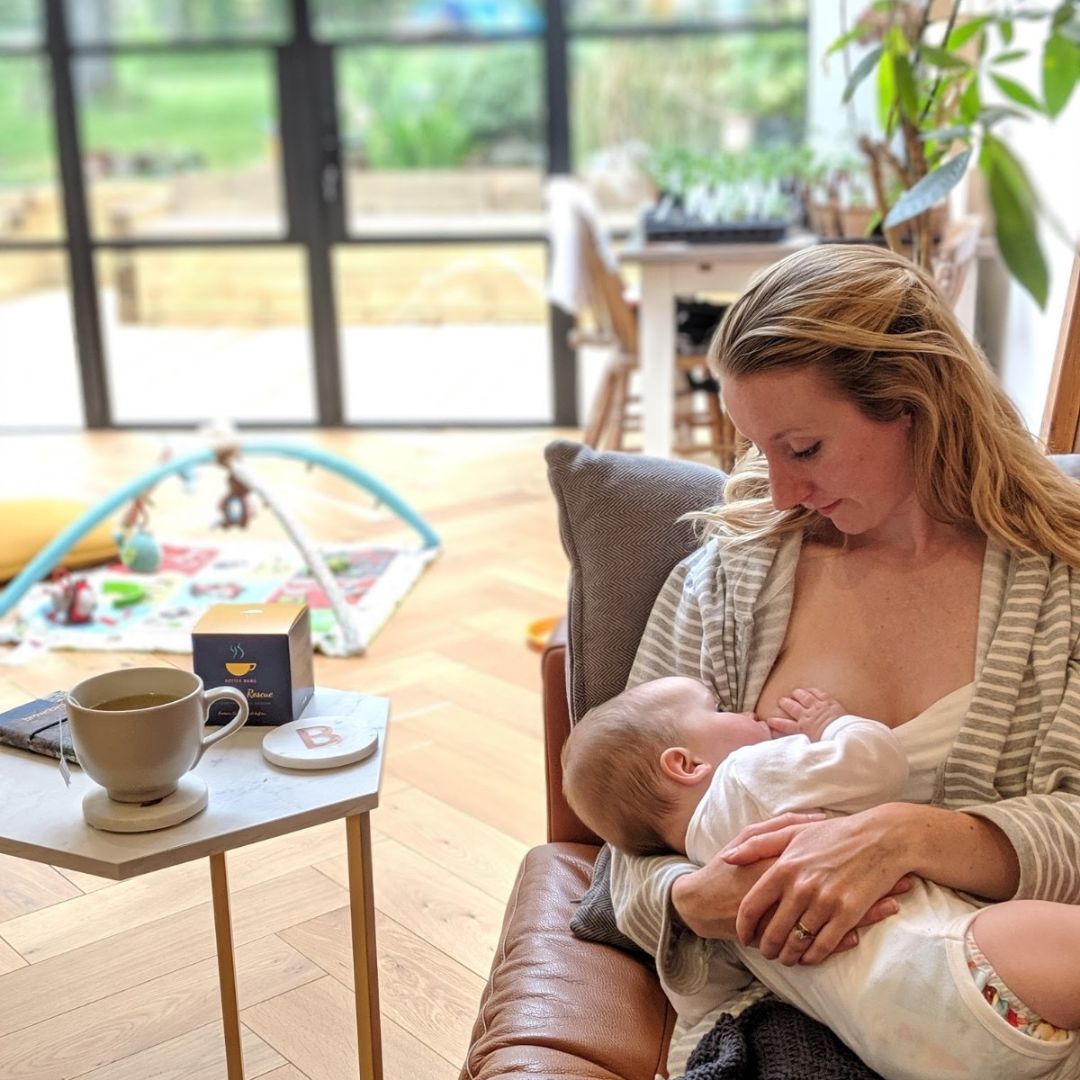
x,y
721,617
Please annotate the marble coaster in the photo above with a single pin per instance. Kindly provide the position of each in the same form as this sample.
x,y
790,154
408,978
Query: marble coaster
x,y
320,742
186,801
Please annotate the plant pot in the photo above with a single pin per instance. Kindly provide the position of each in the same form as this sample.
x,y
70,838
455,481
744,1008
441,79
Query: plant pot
x,y
824,219
855,221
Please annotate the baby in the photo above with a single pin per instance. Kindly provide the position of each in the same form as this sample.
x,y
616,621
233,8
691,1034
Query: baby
x,y
658,768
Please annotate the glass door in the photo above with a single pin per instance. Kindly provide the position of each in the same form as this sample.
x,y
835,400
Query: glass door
x,y
39,375
202,279
440,260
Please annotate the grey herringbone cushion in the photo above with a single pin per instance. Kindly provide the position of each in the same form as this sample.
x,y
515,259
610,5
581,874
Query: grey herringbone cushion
x,y
618,518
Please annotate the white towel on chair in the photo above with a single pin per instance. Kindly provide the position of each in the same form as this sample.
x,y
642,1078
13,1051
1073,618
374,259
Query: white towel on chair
x,y
571,208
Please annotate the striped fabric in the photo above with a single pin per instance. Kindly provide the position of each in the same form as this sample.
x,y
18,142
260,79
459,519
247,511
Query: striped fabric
x,y
722,617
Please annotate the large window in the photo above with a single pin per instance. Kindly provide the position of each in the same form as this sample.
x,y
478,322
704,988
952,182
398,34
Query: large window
x,y
227,212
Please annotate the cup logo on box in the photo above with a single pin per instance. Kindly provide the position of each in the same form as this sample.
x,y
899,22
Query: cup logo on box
x,y
237,666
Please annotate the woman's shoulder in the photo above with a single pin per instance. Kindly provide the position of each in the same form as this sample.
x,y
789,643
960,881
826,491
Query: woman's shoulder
x,y
719,568
1049,584
1016,564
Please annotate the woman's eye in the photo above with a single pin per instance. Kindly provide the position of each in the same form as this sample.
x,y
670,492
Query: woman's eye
x,y
809,452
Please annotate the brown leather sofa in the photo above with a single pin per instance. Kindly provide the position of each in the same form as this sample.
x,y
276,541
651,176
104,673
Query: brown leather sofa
x,y
555,1006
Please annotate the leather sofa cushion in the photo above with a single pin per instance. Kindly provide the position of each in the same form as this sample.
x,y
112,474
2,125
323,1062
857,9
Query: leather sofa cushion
x,y
555,1006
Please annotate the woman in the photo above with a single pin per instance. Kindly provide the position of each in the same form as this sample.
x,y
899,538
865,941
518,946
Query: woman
x,y
894,534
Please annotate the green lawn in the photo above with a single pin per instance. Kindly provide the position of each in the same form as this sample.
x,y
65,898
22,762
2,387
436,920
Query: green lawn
x,y
219,109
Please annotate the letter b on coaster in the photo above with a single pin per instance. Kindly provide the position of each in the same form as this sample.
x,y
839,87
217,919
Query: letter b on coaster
x,y
320,742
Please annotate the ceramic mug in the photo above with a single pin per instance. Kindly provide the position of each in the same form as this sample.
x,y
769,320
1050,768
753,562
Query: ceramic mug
x,y
138,730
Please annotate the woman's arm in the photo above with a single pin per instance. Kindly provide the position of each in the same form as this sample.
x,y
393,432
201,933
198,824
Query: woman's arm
x,y
1041,821
827,874
684,636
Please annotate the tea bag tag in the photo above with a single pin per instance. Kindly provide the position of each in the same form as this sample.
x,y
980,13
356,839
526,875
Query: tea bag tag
x,y
65,771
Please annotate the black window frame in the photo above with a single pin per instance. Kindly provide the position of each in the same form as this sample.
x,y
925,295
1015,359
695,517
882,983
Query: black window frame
x,y
556,35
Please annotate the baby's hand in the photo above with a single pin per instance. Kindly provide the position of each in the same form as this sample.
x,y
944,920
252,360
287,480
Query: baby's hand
x,y
809,713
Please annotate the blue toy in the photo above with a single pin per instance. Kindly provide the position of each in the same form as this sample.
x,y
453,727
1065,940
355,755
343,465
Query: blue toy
x,y
139,551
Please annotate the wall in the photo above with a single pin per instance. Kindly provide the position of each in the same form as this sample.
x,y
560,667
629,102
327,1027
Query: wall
x,y
1019,338
1051,153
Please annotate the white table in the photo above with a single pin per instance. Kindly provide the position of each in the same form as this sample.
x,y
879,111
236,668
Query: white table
x,y
673,269
670,270
250,800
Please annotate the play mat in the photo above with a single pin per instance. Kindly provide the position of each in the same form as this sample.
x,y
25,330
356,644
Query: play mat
x,y
151,599
155,612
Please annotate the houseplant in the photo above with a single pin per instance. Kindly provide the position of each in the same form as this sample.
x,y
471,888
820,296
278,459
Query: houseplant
x,y
722,196
945,88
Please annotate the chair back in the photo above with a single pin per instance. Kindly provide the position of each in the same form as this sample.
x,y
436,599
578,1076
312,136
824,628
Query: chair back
x,y
1061,418
606,290
584,271
957,253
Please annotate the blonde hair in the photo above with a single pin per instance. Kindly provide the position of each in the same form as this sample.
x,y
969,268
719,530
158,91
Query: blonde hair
x,y
611,771
875,326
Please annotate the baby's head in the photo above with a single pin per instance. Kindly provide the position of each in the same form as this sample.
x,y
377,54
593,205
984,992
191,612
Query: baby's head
x,y
635,767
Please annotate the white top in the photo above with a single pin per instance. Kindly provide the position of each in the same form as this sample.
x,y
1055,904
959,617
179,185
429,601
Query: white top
x,y
572,210
904,1000
927,739
856,764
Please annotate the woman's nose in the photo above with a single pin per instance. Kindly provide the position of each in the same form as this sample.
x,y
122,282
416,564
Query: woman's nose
x,y
786,487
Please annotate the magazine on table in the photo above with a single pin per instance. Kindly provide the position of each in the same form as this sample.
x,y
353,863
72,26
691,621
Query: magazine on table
x,y
40,726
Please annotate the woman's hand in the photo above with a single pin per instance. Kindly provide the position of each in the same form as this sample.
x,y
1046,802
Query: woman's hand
x,y
766,839
823,878
708,901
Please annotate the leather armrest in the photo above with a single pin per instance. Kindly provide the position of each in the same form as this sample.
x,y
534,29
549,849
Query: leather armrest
x,y
555,1006
562,822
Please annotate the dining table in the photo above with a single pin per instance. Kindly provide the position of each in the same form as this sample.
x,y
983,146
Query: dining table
x,y
676,268
671,269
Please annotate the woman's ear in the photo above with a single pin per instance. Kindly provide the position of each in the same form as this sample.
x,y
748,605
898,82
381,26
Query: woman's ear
x,y
684,767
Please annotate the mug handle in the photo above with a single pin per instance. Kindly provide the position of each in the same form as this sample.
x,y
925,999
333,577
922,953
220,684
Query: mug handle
x,y
238,721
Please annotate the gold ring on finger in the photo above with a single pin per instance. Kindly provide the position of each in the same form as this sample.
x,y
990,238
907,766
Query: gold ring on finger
x,y
801,932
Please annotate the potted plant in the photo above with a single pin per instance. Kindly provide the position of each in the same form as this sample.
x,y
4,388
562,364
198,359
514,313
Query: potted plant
x,y
836,195
723,196
945,86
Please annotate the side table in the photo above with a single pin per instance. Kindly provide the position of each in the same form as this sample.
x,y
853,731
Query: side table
x,y
250,800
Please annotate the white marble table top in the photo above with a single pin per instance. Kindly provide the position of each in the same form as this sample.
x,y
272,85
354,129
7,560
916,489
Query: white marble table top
x,y
250,800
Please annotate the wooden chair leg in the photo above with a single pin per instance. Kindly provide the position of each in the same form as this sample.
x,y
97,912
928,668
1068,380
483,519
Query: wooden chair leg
x,y
723,434
600,413
620,397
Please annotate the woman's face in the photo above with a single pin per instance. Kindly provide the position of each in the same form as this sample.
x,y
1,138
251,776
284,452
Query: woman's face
x,y
823,452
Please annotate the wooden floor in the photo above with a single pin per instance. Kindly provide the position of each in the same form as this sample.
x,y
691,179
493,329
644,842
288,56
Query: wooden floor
x,y
117,980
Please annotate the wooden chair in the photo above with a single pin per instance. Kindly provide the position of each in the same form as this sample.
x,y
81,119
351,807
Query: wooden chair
x,y
701,425
958,248
1061,420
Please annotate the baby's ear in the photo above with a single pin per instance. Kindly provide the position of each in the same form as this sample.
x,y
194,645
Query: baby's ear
x,y
679,764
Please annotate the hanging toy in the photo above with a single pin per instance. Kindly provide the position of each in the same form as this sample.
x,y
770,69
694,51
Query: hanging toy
x,y
235,505
235,511
139,551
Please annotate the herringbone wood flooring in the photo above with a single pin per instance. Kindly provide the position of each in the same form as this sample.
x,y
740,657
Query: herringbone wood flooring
x,y
117,981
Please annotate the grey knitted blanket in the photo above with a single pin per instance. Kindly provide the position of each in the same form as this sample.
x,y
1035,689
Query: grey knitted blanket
x,y
771,1040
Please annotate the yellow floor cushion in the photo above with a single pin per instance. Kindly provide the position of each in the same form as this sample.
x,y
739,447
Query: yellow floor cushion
x,y
29,524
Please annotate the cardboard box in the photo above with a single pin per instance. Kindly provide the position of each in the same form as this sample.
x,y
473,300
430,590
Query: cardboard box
x,y
264,650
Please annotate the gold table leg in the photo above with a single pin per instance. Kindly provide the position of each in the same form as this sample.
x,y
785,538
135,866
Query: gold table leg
x,y
362,926
230,1014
